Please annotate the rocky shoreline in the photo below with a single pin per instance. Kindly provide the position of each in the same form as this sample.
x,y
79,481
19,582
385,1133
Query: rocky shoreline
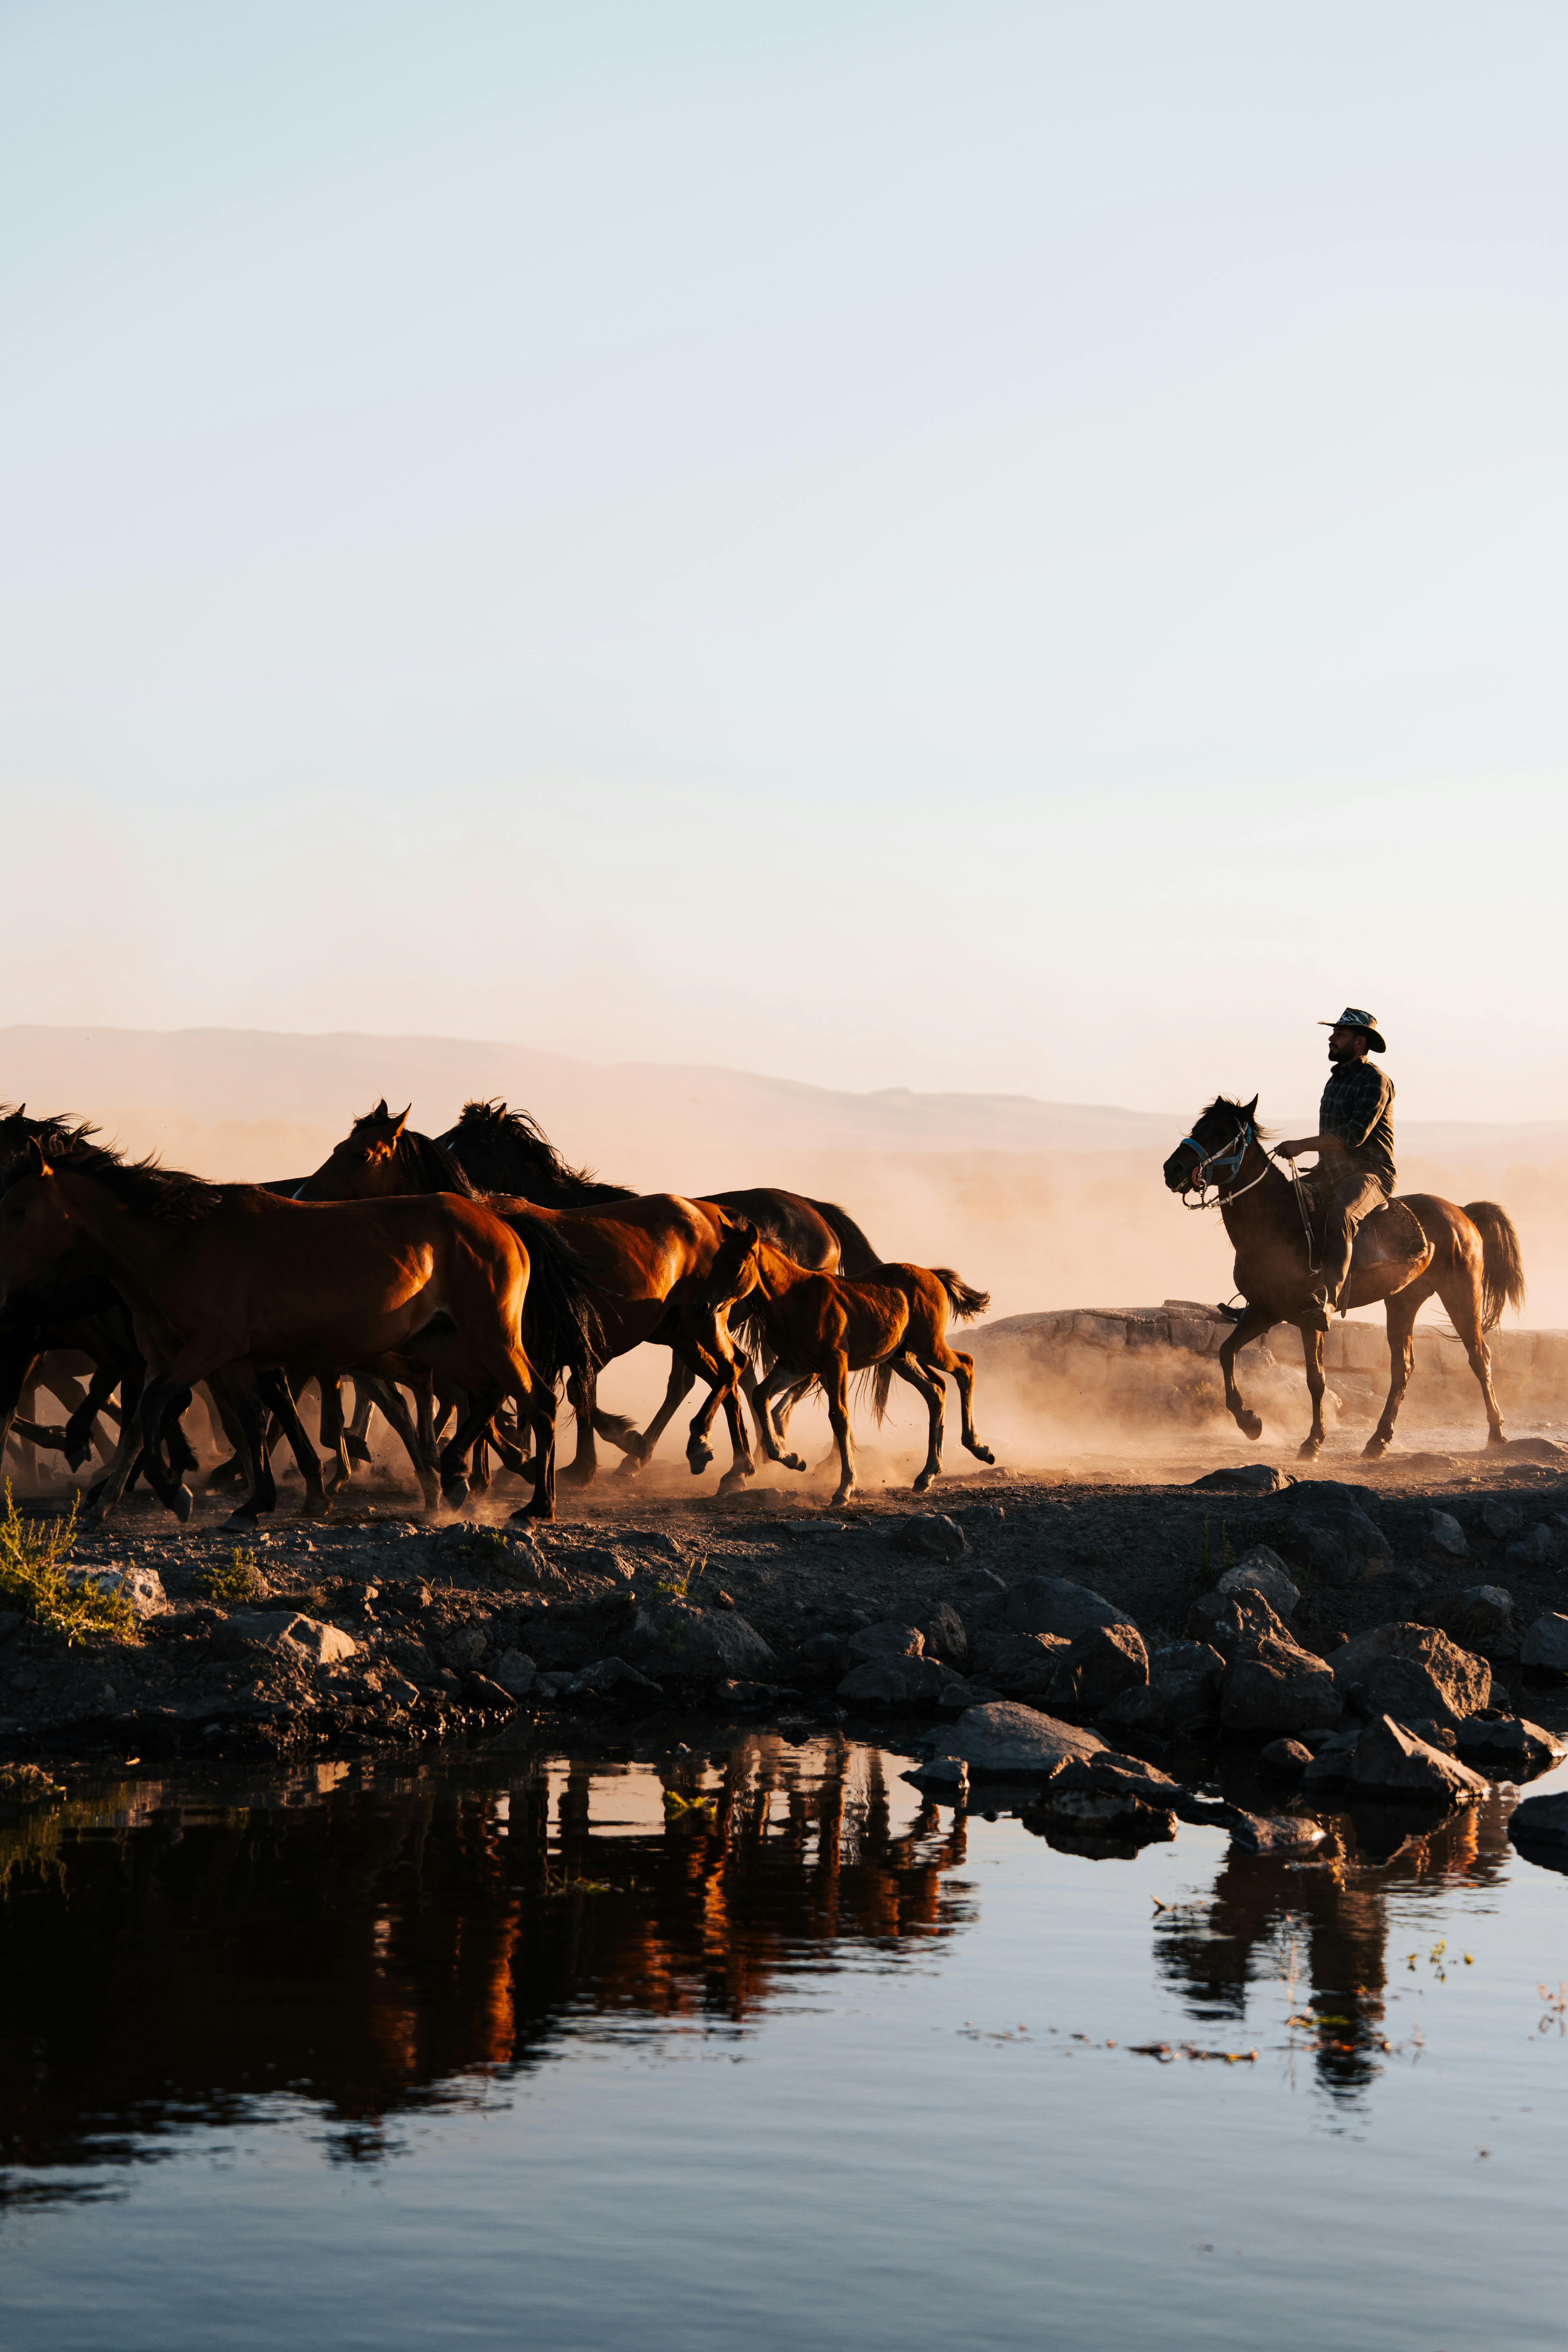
x,y
1397,1632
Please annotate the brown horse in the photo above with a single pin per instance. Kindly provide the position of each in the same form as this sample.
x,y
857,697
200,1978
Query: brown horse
x,y
1417,1248
829,1325
231,1278
647,1258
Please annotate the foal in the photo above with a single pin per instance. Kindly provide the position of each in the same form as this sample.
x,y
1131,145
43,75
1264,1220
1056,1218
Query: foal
x,y
828,1326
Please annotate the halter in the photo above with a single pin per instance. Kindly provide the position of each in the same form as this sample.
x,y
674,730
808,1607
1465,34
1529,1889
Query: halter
x,y
1227,1164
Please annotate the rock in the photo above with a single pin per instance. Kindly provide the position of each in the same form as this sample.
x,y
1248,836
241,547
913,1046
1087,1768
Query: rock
x,y
1053,1604
891,1681
825,1654
1180,1695
1007,1741
942,1776
464,1646
943,1630
1387,1760
1275,1686
1098,1666
1022,1665
485,1693
1125,1776
1330,1758
1501,1518
515,1672
1255,1478
1445,1538
305,1641
1435,1734
1508,1745
1408,1670
1093,1813
1262,1570
1476,1614
1539,1548
11,1622
1274,1833
932,1536
1288,1757
1541,1821
1340,1542
1544,1648
980,1516
885,1640
397,1690
142,1587
676,1642
608,1678
1232,1622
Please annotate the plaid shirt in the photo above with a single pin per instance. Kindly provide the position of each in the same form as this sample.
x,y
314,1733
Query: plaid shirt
x,y
1356,1107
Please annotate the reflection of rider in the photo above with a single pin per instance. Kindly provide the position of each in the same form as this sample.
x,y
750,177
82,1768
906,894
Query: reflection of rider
x,y
1355,1174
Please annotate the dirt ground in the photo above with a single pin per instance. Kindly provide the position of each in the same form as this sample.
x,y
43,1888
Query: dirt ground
x,y
442,1615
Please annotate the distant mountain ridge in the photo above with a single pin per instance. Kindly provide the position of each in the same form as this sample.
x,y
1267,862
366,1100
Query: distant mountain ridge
x,y
631,1117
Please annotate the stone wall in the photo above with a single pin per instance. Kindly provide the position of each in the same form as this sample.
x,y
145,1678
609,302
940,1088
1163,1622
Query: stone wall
x,y
1149,1365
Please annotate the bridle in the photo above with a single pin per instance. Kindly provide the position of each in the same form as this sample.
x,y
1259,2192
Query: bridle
x,y
1216,1168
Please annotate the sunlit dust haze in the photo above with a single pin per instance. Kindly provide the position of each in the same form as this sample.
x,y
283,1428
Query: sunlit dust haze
x,y
885,598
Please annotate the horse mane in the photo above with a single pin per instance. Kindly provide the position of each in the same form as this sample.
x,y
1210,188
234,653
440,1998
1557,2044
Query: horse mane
x,y
507,1150
1223,1102
55,1134
423,1157
170,1195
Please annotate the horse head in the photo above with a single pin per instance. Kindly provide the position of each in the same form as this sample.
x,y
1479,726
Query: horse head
x,y
365,1164
35,1223
1216,1148
733,1272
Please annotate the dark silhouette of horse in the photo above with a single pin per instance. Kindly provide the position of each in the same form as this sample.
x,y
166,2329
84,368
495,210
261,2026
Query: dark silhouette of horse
x,y
1417,1248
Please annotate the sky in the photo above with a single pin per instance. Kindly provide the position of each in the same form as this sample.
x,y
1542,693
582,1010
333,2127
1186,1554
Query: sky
x,y
987,547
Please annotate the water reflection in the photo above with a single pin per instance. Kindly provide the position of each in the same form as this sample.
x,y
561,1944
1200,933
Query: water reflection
x,y
1323,1928
374,1944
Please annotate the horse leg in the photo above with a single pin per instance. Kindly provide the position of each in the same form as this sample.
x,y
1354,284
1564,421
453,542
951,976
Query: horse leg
x,y
1459,1295
682,1380
1403,1309
332,1431
1312,1357
581,1390
922,1377
742,1465
251,1416
387,1399
835,1379
274,1386
82,1427
780,1376
961,1369
356,1443
1252,1325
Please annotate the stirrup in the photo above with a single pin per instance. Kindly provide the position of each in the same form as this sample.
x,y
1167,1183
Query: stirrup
x,y
1231,1314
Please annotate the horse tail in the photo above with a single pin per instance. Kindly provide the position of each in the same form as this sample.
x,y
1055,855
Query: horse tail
x,y
1502,1260
564,1327
857,1258
881,1384
967,1303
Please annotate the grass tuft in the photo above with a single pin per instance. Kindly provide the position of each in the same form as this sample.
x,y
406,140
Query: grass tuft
x,y
240,1580
33,1553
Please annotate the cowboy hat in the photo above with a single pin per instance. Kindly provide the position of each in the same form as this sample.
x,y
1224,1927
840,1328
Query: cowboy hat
x,y
1353,1018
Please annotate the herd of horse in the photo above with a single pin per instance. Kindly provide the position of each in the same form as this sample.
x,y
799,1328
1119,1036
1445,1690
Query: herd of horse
x,y
463,1283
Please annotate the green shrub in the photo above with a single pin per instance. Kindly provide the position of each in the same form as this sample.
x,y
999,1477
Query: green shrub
x,y
33,1553
241,1579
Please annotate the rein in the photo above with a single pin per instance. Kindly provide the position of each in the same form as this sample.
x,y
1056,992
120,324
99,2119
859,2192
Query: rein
x,y
1226,1164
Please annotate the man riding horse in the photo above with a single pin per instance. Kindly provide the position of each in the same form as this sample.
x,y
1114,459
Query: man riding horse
x,y
1354,1175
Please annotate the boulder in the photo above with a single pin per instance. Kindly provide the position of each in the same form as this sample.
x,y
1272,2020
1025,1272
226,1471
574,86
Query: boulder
x,y
1501,1518
464,1646
142,1587
1231,1623
1262,1570
1288,1757
942,1776
1388,1760
943,1630
1480,1617
676,1642
1022,1665
1180,1695
932,1535
486,1693
1251,1478
1007,1741
1537,1548
1541,1821
1444,1538
1276,1686
514,1671
606,1678
1053,1604
891,1681
1099,1666
1337,1538
1274,1833
1118,1820
1509,1746
1546,1646
1408,1670
303,1641
885,1640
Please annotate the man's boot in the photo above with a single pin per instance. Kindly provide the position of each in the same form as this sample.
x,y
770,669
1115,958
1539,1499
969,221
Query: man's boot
x,y
1318,1313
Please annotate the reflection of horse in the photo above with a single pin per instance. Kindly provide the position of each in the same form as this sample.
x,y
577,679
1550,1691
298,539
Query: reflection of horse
x,y
1416,1248
825,1327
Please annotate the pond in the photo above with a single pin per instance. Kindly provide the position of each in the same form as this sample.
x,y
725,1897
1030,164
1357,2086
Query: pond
x,y
756,2047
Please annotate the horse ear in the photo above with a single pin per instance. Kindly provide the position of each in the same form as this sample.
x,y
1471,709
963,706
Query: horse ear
x,y
37,1164
1251,1108
749,1232
381,1110
401,1118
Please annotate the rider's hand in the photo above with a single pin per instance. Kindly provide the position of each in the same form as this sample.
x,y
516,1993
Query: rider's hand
x,y
1293,1150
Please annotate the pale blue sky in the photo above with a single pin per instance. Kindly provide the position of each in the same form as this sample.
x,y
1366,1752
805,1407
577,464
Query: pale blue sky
x,y
975,546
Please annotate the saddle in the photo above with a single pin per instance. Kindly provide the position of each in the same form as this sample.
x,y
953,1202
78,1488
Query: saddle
x,y
1390,1237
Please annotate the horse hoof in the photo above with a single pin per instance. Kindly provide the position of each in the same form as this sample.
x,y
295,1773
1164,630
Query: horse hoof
x,y
1309,1449
922,1482
240,1523
1496,1437
984,1454
1374,1449
455,1493
629,1467
1249,1424
841,1497
699,1458
733,1480
182,1503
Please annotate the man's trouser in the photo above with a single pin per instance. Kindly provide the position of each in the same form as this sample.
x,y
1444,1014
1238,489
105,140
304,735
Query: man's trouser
x,y
1340,1205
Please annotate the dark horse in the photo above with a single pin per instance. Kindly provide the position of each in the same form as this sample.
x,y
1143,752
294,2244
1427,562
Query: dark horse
x,y
505,1151
1416,1248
